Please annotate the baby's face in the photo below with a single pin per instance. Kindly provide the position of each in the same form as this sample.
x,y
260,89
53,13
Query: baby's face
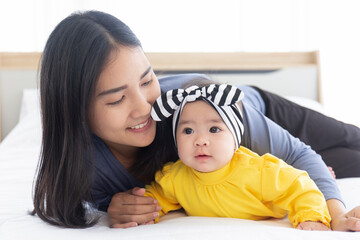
x,y
204,141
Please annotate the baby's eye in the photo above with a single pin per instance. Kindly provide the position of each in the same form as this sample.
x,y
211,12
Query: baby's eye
x,y
214,129
188,131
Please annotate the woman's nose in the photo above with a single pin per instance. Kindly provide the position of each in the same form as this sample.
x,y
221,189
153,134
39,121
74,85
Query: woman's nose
x,y
140,106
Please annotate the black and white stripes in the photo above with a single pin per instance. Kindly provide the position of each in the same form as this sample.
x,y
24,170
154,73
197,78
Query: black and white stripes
x,y
222,97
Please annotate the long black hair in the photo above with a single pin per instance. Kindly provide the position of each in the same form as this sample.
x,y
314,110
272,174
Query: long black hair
x,y
73,59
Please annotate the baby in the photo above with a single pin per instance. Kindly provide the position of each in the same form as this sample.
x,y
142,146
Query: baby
x,y
216,177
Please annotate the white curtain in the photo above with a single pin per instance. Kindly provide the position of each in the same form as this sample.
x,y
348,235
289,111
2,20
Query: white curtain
x,y
331,26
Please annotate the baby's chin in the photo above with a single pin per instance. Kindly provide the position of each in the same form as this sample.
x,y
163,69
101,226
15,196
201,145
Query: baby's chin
x,y
206,170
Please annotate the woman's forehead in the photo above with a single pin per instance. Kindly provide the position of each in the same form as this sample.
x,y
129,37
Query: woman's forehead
x,y
125,65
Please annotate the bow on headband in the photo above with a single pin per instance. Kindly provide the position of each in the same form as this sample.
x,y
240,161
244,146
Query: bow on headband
x,y
222,97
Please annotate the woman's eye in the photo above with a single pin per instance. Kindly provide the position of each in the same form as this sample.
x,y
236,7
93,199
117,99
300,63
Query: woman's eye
x,y
147,83
214,129
188,131
116,102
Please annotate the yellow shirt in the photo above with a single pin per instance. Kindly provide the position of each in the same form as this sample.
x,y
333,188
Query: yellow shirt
x,y
248,187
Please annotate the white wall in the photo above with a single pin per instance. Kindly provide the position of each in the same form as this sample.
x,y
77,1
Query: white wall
x,y
225,25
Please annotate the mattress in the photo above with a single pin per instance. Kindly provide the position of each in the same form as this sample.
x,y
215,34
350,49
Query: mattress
x,y
19,154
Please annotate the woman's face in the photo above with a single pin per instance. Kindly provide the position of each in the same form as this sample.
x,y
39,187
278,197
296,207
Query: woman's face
x,y
120,110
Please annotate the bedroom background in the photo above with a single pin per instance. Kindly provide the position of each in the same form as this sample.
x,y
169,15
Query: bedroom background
x,y
217,26
240,27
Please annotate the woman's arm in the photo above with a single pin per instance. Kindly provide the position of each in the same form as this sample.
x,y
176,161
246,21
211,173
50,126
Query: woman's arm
x,y
342,220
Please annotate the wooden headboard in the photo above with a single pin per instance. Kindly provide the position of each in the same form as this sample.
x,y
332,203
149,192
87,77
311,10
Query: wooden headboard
x,y
19,71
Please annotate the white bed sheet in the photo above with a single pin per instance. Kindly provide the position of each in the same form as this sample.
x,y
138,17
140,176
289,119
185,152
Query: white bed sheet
x,y
19,153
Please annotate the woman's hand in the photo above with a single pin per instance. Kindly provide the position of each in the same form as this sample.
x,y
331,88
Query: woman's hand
x,y
349,221
342,220
332,172
313,226
131,208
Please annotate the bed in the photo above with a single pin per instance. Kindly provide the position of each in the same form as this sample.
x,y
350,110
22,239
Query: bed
x,y
19,150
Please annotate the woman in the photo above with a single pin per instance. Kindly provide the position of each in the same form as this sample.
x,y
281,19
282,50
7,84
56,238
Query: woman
x,y
97,89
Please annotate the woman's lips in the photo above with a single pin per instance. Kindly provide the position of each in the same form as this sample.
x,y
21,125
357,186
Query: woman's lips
x,y
141,127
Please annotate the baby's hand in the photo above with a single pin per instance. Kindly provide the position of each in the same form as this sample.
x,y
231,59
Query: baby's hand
x,y
313,226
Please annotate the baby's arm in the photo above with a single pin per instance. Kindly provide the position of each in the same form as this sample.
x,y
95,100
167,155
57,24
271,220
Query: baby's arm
x,y
307,208
313,226
162,189
292,190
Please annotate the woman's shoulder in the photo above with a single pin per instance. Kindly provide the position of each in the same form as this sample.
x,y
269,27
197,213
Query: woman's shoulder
x,y
253,98
99,150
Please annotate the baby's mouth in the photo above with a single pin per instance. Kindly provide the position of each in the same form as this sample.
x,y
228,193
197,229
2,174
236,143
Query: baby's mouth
x,y
202,156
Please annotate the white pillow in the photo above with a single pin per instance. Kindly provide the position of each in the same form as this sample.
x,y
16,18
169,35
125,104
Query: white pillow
x,y
308,103
30,102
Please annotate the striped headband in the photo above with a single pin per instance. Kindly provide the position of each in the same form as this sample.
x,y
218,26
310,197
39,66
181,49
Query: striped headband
x,y
221,97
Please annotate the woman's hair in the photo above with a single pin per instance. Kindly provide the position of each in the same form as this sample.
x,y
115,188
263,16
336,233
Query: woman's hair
x,y
74,56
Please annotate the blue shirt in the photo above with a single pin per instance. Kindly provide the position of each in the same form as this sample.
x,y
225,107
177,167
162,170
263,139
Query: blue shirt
x,y
110,176
261,135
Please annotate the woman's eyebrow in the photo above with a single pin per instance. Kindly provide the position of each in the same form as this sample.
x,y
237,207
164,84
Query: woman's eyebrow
x,y
114,90
145,73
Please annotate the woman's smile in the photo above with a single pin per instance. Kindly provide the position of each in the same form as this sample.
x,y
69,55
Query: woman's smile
x,y
142,126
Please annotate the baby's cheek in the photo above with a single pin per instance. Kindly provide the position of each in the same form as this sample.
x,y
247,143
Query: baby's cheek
x,y
181,151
